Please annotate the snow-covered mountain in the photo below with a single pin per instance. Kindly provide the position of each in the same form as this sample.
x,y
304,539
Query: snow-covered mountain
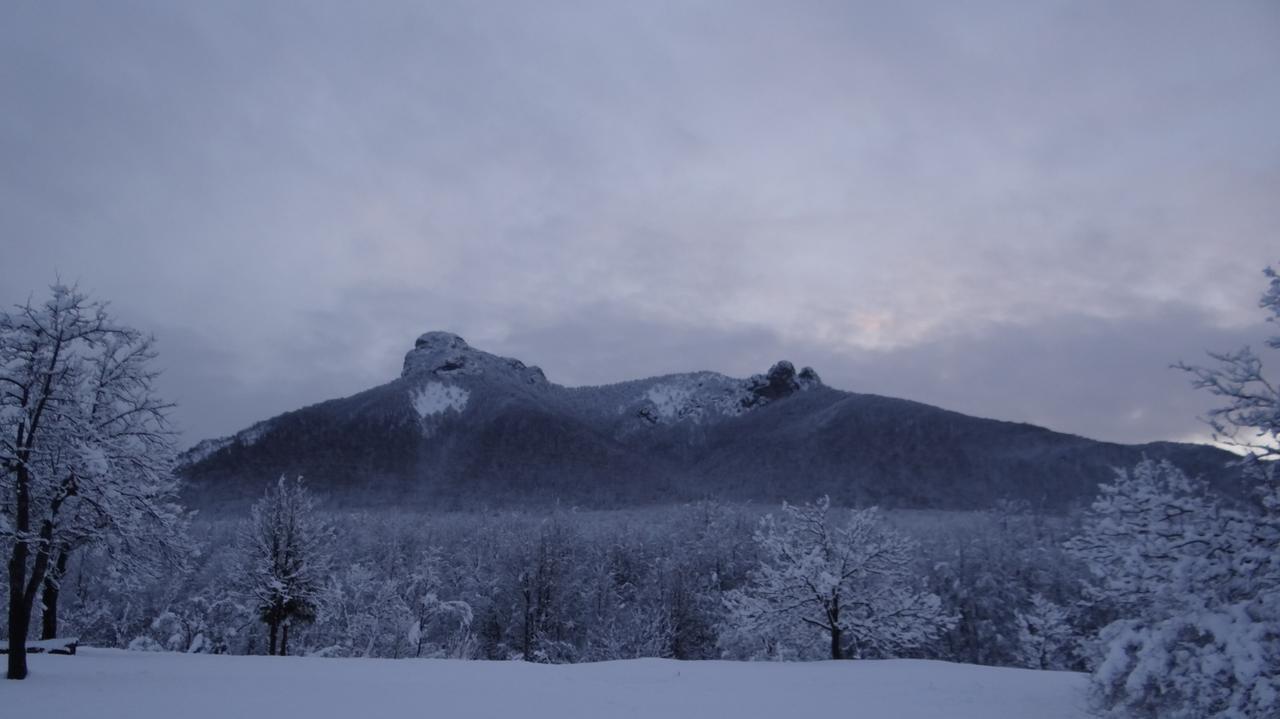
x,y
462,428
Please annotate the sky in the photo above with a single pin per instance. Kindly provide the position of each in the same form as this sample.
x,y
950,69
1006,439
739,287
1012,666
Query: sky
x,y
1017,210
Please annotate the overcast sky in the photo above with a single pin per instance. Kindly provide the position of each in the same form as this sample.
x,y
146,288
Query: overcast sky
x,y
1017,210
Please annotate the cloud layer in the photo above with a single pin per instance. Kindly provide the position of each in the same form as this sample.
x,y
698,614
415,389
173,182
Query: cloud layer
x,y
1015,211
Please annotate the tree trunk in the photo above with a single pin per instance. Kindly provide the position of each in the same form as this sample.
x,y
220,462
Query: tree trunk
x,y
52,585
274,627
284,641
19,613
22,597
837,634
527,640
19,610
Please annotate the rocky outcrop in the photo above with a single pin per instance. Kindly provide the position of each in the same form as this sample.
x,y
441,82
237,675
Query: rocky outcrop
x,y
445,354
780,381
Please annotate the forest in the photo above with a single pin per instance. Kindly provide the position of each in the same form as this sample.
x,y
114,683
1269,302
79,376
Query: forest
x,y
569,586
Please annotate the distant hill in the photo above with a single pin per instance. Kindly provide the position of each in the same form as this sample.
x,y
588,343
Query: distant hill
x,y
464,428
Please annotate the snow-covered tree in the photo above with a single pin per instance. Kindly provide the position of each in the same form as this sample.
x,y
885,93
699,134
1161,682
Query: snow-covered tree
x,y
365,614
1250,418
198,625
1045,635
449,619
1153,536
988,568
549,596
133,520
284,560
441,627
1196,582
85,451
1198,634
852,584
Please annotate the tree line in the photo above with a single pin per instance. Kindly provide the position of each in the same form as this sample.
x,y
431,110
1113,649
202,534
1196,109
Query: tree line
x,y
696,581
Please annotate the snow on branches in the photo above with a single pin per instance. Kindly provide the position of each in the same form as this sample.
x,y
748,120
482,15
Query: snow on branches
x,y
1250,419
852,584
1195,583
284,559
85,449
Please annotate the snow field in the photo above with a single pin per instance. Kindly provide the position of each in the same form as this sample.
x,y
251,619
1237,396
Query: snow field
x,y
111,683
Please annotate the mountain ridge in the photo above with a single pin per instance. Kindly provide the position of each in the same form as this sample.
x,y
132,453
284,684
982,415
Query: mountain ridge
x,y
462,427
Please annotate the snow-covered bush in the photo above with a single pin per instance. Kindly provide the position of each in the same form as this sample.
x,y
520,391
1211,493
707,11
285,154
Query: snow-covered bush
x,y
198,625
1219,663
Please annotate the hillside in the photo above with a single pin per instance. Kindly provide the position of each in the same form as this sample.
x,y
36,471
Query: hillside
x,y
461,427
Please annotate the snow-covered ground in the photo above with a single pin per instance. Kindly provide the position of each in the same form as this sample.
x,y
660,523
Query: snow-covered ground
x,y
104,683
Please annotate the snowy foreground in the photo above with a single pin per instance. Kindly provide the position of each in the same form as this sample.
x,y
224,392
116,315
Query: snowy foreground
x,y
106,683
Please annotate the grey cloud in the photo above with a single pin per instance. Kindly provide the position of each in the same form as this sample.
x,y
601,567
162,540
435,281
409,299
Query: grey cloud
x,y
1107,379
288,193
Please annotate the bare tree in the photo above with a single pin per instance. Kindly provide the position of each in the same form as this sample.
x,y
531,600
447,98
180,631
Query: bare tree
x,y
85,447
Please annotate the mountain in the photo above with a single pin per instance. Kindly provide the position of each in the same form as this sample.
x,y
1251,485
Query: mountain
x,y
464,428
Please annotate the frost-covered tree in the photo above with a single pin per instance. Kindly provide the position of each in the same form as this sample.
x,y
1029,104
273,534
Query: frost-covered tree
x,y
549,596
450,620
1045,635
1153,536
134,520
1198,634
441,627
626,615
197,625
852,584
1208,641
1196,582
284,560
1250,418
86,451
365,614
988,568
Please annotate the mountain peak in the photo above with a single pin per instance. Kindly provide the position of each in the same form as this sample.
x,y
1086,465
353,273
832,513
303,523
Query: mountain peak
x,y
782,380
440,340
445,354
